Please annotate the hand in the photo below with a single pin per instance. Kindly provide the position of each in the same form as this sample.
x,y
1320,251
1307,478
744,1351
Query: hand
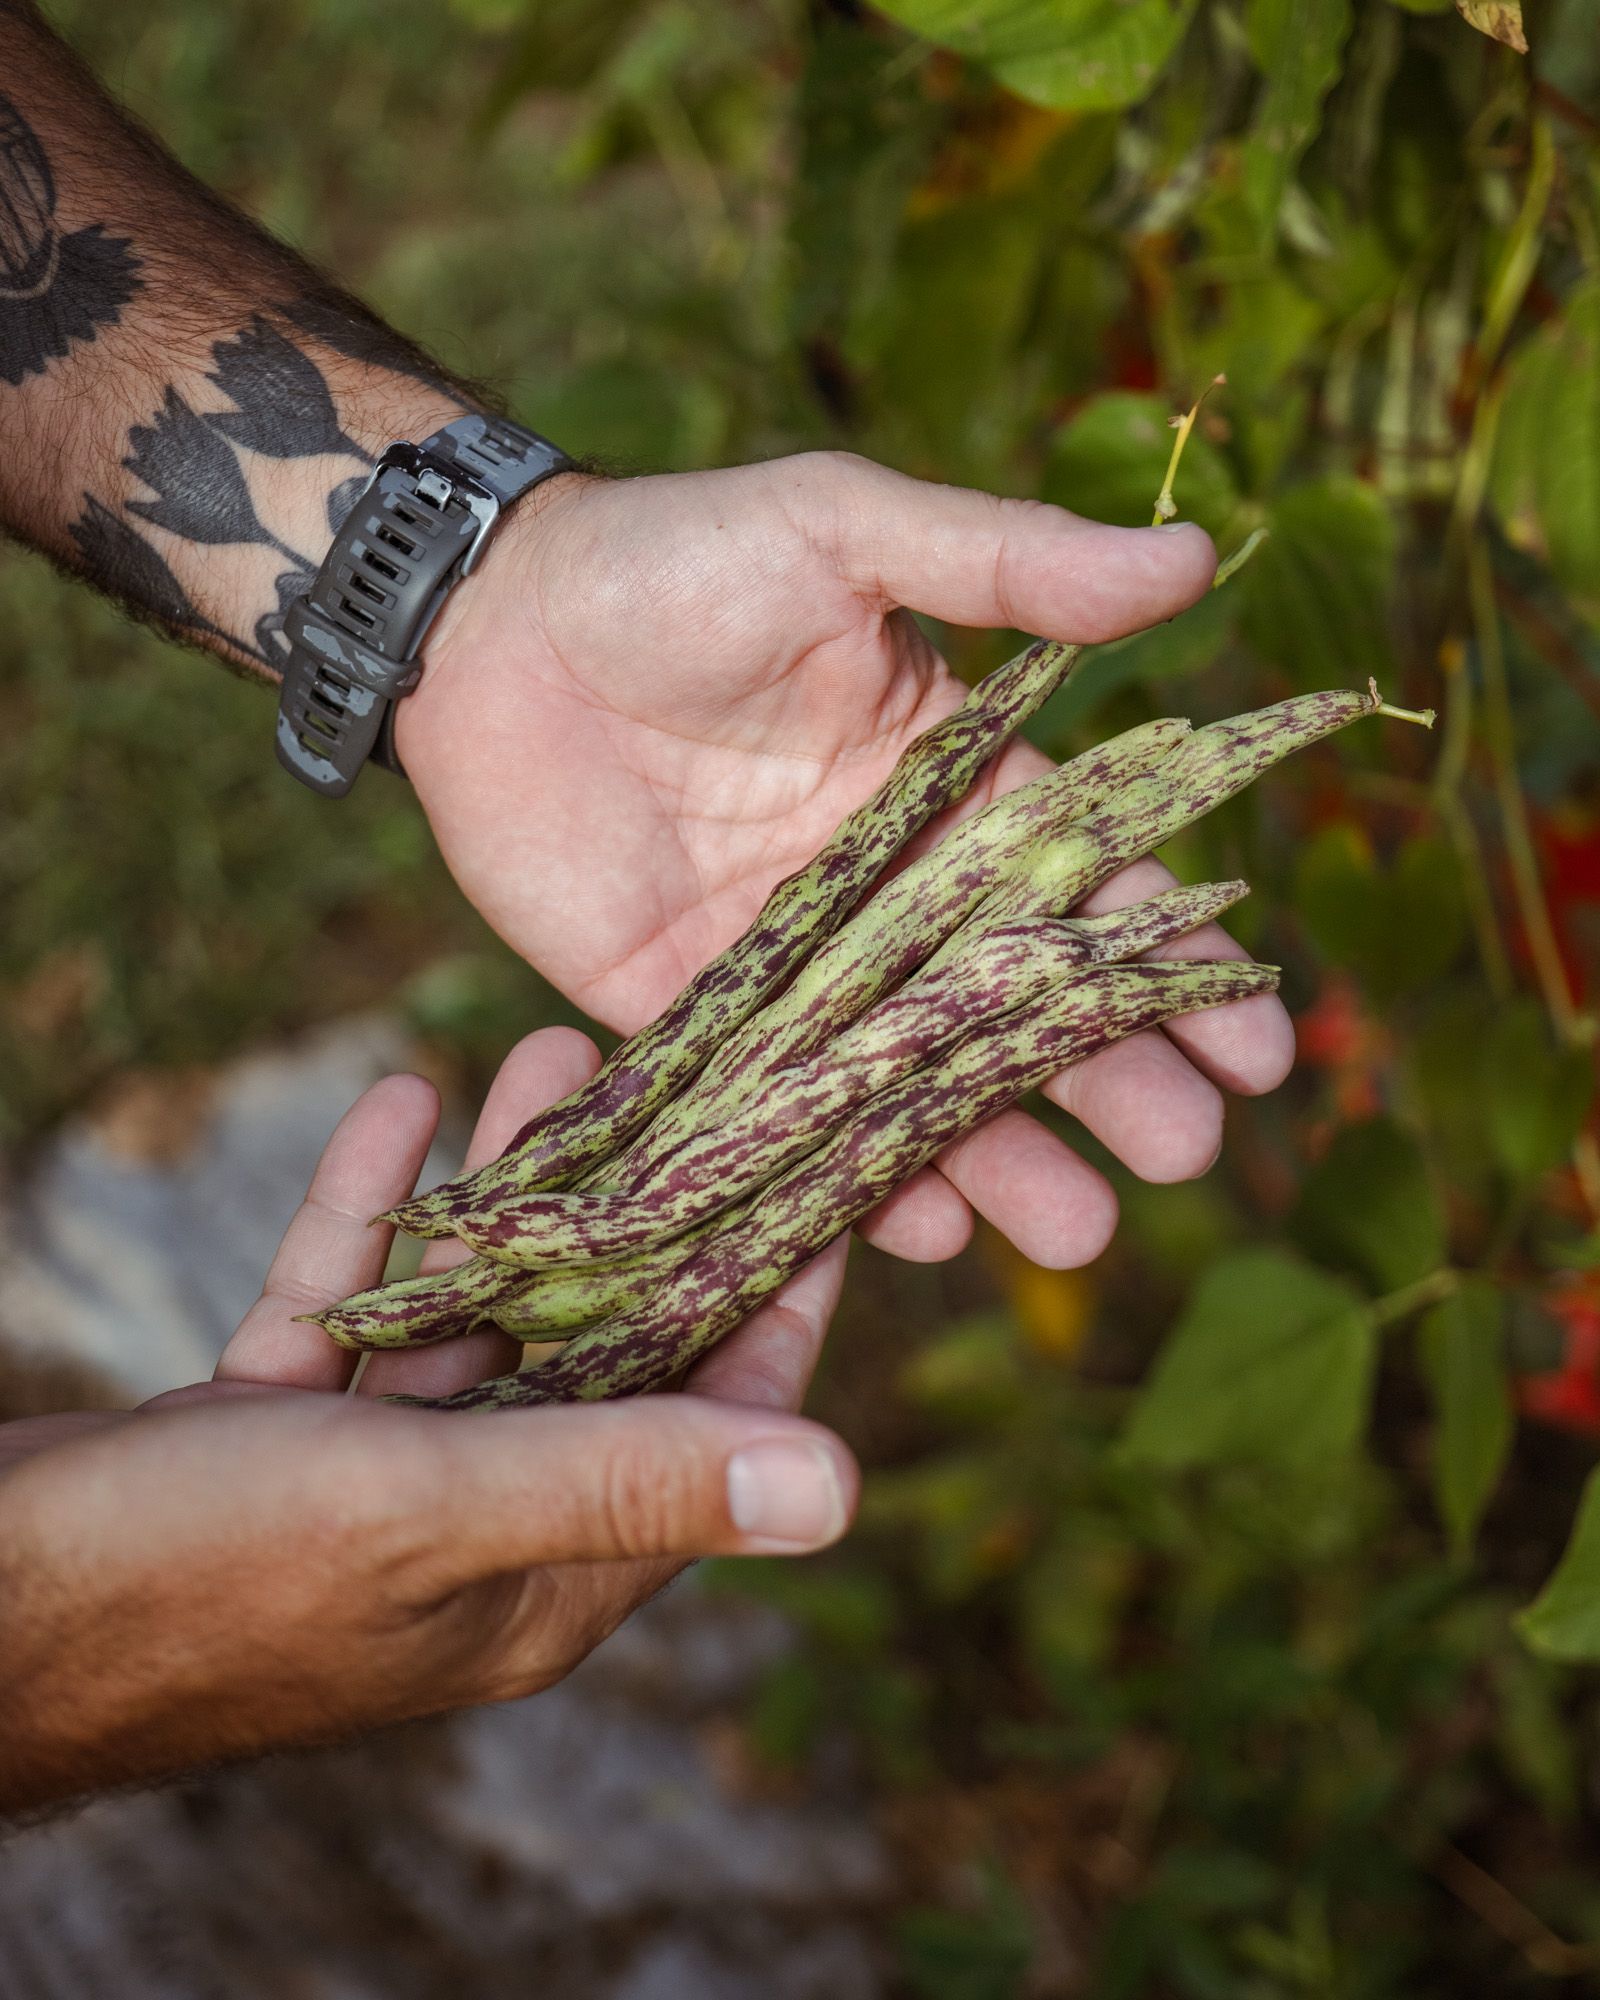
x,y
262,1561
661,695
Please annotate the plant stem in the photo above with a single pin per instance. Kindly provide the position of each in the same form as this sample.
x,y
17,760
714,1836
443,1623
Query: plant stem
x,y
1166,506
1520,852
1449,781
1398,1305
1230,566
1424,718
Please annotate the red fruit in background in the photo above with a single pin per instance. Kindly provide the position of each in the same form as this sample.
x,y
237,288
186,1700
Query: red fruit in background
x,y
1568,1397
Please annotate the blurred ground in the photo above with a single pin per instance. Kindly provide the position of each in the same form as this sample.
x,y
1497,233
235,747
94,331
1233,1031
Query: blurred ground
x,y
608,1841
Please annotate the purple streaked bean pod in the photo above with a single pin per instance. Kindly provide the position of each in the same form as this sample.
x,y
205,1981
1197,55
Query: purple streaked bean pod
x,y
598,1118
777,1231
1045,879
795,1110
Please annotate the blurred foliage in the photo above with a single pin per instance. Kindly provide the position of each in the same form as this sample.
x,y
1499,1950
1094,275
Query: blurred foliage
x,y
1182,1633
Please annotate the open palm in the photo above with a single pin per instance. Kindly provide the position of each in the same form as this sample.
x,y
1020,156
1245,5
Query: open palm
x,y
664,694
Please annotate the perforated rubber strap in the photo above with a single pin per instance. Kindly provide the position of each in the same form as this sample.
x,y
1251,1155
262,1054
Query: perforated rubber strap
x,y
354,638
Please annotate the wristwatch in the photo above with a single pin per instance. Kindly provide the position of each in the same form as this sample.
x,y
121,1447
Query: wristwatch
x,y
416,531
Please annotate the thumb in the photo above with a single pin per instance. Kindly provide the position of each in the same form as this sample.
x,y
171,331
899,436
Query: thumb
x,y
677,1476
972,558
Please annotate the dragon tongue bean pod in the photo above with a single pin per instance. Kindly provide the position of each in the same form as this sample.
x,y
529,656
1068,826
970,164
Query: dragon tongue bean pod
x,y
1215,763
414,1312
551,1302
1045,879
529,1305
898,930
897,1132
793,1113
554,1148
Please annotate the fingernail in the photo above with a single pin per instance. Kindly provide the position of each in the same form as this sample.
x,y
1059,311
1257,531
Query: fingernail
x,y
786,1490
1173,527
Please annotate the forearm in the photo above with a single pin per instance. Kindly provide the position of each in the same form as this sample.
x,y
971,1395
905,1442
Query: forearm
x,y
186,406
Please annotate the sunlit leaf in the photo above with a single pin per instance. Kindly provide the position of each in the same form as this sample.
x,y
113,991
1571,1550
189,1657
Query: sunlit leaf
x,y
1083,55
1271,1360
1463,1356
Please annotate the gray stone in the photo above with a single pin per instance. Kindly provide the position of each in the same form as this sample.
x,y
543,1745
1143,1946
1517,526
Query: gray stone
x,y
142,1270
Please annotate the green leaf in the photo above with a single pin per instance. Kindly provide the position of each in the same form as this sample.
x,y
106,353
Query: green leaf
x,y
863,131
1546,473
1537,1094
1315,599
1368,1204
1178,650
947,335
1563,1622
1397,929
969,1373
632,413
1462,1344
1296,45
1272,1360
1109,462
1074,55
968,1955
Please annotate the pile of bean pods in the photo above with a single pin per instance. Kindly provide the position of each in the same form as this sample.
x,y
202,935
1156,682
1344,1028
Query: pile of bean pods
x,y
858,1027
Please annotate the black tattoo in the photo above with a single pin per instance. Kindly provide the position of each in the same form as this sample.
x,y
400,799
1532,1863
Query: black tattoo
x,y
189,462
284,407
200,488
349,329
119,558
54,289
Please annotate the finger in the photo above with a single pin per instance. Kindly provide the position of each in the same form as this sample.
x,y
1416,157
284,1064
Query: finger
x,y
972,559
1057,1209
1247,1046
1145,1100
924,1221
650,1476
331,1248
541,1068
770,1360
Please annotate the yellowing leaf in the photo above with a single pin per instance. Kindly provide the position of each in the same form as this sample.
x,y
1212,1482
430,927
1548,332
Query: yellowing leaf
x,y
1501,20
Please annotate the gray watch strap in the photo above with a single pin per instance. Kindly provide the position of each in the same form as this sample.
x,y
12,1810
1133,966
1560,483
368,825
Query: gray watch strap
x,y
415,532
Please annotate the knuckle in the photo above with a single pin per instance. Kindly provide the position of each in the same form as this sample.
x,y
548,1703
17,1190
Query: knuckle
x,y
644,1501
